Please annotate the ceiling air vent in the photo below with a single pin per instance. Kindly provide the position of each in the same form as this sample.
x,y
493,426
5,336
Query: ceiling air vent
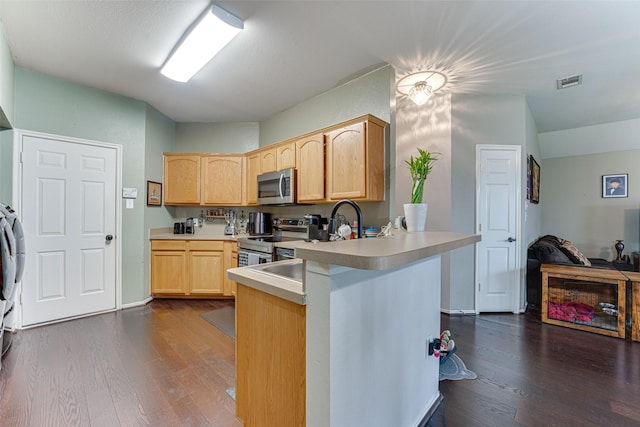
x,y
569,81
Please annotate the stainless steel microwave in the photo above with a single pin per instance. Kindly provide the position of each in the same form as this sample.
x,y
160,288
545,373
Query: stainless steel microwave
x,y
277,188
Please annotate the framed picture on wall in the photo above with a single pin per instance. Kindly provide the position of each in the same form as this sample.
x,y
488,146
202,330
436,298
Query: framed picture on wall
x,y
154,193
614,185
534,180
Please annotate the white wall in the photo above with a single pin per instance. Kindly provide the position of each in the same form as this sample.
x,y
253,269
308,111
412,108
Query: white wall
x,y
575,210
476,119
368,94
6,83
216,137
573,162
616,136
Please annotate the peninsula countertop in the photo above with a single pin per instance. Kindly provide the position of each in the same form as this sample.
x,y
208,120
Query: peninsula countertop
x,y
380,253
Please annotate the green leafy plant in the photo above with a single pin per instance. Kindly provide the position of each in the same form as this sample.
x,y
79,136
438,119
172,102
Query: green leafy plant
x,y
420,168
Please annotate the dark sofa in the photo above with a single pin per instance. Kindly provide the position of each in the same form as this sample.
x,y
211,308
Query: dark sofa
x,y
554,250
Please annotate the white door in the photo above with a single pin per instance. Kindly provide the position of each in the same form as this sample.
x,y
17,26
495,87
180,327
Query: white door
x,y
498,278
69,216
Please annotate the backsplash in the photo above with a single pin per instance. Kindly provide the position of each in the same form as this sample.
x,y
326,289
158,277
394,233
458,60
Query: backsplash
x,y
375,214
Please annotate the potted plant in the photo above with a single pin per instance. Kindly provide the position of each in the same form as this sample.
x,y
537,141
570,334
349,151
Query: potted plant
x,y
420,167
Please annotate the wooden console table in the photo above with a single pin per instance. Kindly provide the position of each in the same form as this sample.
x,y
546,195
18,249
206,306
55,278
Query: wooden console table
x,y
634,279
585,298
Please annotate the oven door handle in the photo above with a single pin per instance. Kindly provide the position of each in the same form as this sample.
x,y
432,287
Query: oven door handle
x,y
280,186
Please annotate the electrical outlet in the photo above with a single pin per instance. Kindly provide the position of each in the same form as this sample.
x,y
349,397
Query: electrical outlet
x,y
427,347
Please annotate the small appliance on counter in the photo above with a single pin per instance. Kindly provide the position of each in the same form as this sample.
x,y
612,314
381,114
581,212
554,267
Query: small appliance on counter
x,y
178,228
242,223
230,218
188,226
259,223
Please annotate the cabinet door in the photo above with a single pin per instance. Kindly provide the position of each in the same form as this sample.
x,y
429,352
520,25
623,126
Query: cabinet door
x,y
253,170
286,156
181,179
168,272
222,180
206,272
268,160
310,168
230,261
346,163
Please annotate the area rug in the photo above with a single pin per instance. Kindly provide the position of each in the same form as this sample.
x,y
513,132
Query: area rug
x,y
454,369
223,318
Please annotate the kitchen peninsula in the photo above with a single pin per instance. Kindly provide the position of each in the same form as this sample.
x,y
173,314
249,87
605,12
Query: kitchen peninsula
x,y
347,344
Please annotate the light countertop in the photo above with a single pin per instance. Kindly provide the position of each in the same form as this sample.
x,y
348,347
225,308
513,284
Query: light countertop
x,y
166,233
380,253
383,253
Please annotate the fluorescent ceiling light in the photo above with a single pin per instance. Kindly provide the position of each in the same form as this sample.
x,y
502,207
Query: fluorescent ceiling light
x,y
208,36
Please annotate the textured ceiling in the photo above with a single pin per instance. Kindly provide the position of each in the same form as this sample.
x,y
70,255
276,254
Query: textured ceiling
x,y
291,51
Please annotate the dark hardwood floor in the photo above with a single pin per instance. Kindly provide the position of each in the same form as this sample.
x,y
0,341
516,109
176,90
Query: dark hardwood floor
x,y
162,365
158,365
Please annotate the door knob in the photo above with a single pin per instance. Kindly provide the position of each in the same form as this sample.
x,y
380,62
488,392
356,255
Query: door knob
x,y
511,239
109,238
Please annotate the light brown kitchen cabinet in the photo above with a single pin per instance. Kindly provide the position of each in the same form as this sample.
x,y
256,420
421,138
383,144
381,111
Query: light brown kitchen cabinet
x,y
286,155
268,160
203,179
168,267
181,179
192,268
206,267
270,360
230,261
222,180
253,170
355,161
310,168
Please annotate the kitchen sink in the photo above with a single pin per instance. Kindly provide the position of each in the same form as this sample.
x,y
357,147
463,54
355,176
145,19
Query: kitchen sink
x,y
291,270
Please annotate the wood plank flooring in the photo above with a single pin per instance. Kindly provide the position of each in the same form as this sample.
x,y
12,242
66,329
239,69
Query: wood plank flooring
x,y
162,365
534,374
158,365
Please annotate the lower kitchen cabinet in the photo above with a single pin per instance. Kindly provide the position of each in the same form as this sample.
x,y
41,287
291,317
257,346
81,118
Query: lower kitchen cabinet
x,y
270,360
191,268
168,267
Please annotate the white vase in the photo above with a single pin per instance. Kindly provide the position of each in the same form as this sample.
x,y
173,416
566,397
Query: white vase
x,y
415,216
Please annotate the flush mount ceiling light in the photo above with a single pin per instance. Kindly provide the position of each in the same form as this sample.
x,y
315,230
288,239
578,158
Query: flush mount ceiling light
x,y
213,30
421,85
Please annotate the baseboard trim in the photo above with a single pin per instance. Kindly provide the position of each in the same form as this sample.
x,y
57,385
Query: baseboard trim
x,y
137,303
431,411
458,312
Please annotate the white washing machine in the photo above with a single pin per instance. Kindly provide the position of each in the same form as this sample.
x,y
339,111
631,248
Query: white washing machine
x,y
12,258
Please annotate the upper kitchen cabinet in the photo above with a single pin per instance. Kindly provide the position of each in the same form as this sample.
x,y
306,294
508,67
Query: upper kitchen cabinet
x,y
203,179
355,160
253,170
181,179
268,160
310,168
222,179
286,155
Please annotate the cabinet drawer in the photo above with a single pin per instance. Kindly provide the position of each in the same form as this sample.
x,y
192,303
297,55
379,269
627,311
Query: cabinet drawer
x,y
206,245
168,245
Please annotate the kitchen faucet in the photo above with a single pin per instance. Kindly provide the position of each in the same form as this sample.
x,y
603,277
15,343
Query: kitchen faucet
x,y
358,214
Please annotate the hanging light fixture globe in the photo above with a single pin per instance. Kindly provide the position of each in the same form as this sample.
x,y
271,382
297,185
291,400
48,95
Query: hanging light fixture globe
x,y
420,86
420,93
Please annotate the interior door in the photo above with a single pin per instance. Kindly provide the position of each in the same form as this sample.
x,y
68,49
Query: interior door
x,y
69,211
498,278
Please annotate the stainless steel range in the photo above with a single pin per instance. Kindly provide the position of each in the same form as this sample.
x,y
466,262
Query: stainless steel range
x,y
262,249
